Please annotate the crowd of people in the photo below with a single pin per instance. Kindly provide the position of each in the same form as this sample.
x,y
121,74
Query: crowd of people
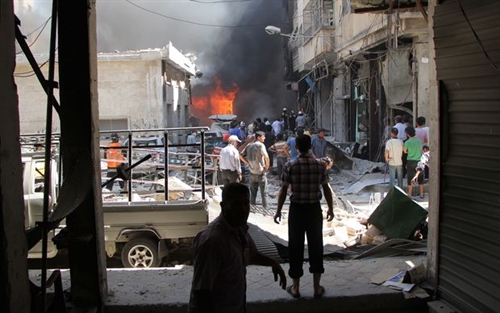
x,y
286,123
265,148
223,249
407,153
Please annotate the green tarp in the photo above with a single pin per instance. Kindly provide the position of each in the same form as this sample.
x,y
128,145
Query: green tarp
x,y
397,216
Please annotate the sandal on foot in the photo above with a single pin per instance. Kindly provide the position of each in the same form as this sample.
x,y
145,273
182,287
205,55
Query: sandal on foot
x,y
290,292
320,294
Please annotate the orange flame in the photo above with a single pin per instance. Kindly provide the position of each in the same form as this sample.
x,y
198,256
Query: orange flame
x,y
218,101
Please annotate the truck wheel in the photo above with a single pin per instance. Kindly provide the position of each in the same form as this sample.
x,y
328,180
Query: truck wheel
x,y
140,252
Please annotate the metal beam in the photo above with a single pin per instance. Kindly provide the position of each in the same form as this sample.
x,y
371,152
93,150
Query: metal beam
x,y
21,40
80,151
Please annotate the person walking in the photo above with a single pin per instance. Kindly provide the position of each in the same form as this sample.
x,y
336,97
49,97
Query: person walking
x,y
319,145
230,165
284,118
222,250
278,126
291,120
114,157
289,148
305,175
255,155
279,148
300,120
394,157
268,142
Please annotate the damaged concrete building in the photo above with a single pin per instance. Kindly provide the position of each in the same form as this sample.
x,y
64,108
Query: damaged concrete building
x,y
464,111
137,89
353,66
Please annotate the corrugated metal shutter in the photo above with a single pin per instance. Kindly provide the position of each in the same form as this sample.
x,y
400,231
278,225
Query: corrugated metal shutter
x,y
469,226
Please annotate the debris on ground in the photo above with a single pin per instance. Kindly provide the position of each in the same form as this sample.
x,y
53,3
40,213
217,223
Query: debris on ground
x,y
366,225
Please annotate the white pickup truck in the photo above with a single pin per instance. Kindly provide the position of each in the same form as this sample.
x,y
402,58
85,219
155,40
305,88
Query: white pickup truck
x,y
139,228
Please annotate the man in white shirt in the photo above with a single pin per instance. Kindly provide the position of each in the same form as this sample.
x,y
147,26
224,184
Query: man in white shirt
x,y
255,155
394,157
229,163
401,127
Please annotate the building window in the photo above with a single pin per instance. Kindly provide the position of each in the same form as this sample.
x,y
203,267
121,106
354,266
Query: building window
x,y
319,13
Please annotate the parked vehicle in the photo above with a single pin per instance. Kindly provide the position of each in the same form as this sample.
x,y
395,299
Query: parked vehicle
x,y
139,226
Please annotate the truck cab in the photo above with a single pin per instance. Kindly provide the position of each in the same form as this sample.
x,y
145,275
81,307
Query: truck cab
x,y
33,187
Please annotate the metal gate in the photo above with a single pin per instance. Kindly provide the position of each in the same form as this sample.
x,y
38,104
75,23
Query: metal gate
x,y
466,36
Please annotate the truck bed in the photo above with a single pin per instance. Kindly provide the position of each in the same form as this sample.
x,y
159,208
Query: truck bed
x,y
169,220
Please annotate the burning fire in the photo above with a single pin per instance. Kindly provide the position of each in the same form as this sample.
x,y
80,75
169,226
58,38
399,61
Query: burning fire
x,y
218,101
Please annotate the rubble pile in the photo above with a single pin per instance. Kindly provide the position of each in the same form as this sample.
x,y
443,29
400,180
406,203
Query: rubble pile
x,y
367,219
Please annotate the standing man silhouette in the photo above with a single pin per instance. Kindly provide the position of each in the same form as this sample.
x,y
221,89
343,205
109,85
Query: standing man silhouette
x,y
305,175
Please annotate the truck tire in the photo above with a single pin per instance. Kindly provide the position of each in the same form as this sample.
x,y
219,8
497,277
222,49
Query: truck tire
x,y
140,252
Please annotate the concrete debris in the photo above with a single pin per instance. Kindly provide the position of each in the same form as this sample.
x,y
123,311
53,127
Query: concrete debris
x,y
385,274
352,208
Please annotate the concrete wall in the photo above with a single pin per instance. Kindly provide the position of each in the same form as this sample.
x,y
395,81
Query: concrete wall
x,y
422,62
340,90
357,31
33,99
132,89
325,109
129,89
361,31
321,43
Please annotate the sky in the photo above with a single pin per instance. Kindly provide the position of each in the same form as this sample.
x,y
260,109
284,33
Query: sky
x,y
226,36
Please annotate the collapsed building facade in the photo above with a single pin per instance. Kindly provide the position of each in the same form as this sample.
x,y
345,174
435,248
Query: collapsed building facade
x,y
352,67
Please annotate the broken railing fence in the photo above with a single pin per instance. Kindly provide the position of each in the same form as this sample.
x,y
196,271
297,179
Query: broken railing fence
x,y
167,157
153,155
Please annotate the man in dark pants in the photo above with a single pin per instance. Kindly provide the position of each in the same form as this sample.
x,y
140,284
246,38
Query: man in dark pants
x,y
305,175
256,157
114,158
222,250
230,165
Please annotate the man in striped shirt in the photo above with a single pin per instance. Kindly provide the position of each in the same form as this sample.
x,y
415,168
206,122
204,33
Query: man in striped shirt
x,y
305,175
